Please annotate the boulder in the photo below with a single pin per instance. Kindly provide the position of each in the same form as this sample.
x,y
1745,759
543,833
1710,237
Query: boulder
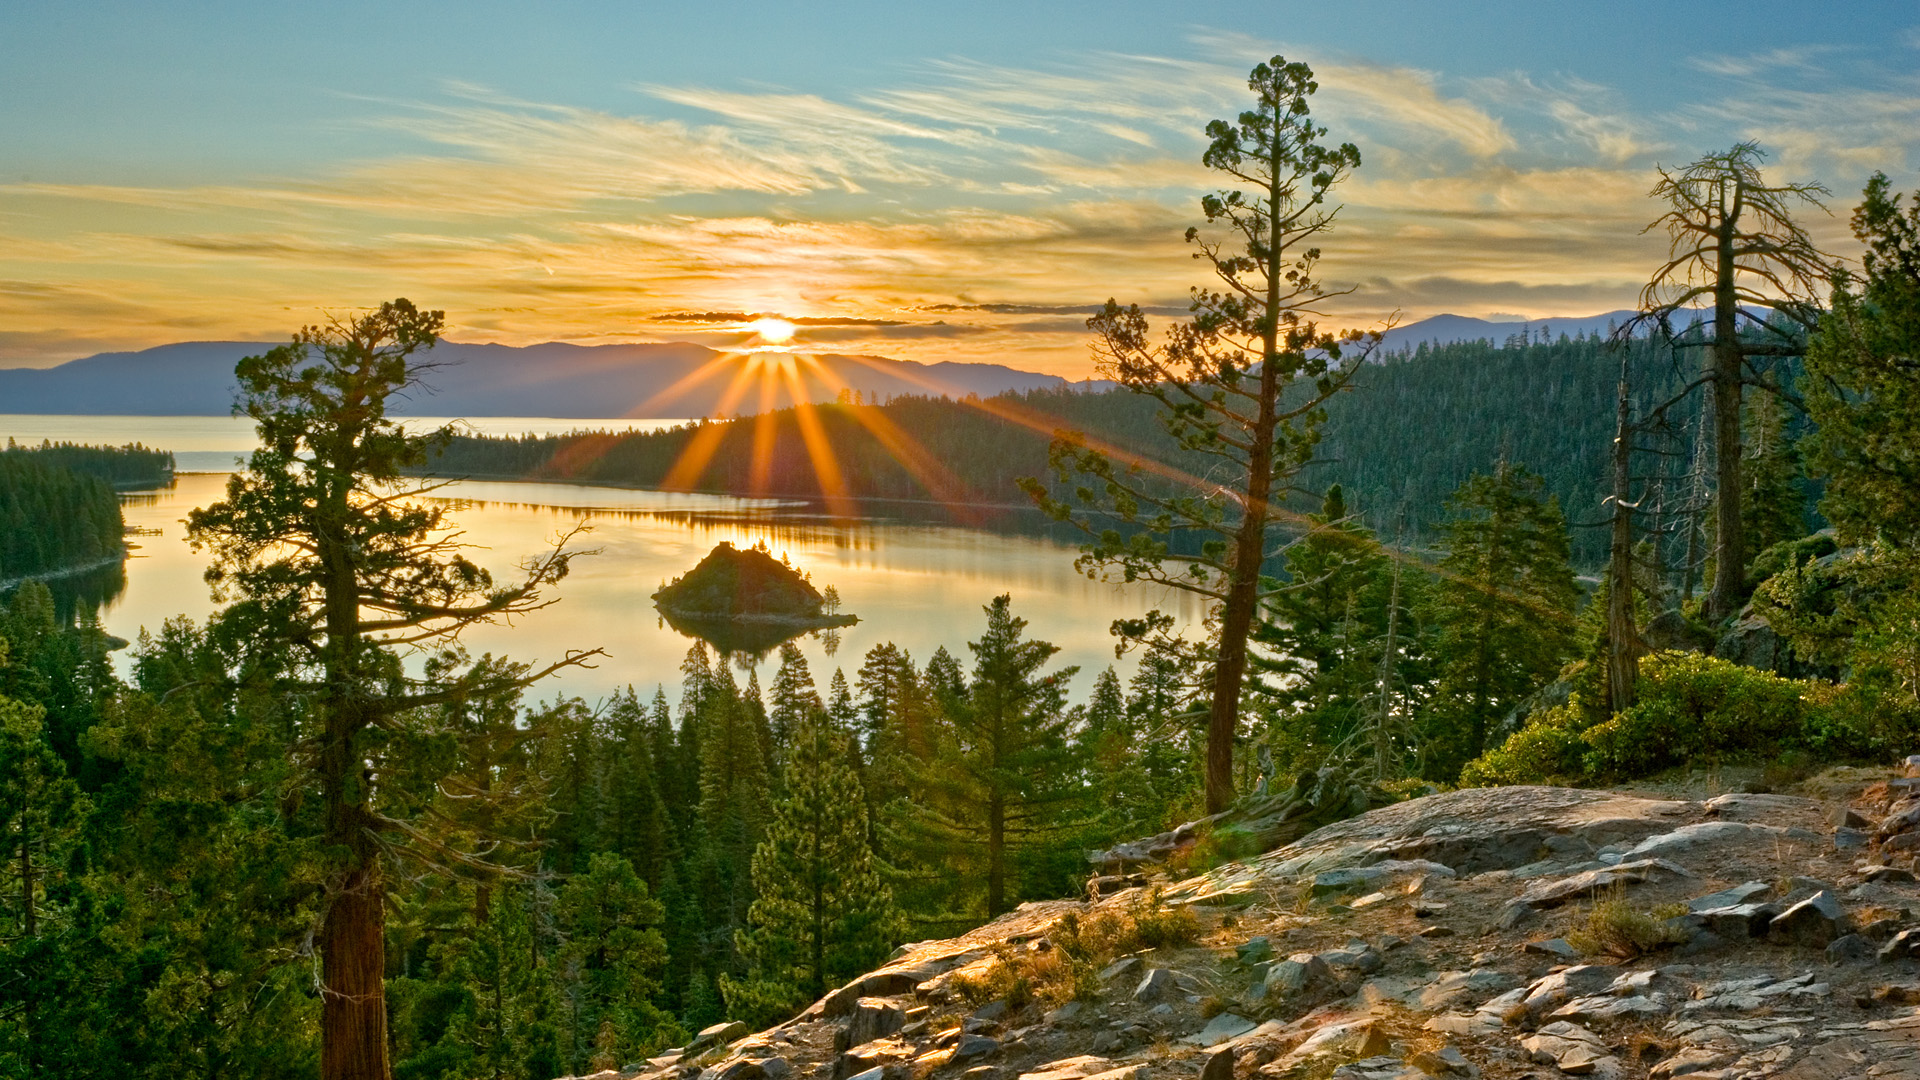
x,y
1476,829
1219,1029
1553,893
1158,985
973,1048
1850,949
1446,1061
1363,959
1554,947
1739,922
1219,1065
1254,950
1568,1046
1065,1014
1817,920
717,1035
1293,976
1580,980
735,1069
872,1018
1740,894
1703,836
1903,946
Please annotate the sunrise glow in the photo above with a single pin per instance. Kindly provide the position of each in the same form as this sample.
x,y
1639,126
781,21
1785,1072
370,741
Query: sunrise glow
x,y
773,331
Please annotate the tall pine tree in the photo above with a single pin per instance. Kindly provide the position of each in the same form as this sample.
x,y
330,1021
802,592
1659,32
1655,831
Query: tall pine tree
x,y
821,913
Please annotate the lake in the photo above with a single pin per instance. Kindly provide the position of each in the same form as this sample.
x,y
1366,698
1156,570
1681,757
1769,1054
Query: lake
x,y
918,583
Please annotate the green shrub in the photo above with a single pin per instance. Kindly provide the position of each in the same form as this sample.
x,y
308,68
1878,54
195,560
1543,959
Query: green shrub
x,y
1691,708
1548,750
1789,555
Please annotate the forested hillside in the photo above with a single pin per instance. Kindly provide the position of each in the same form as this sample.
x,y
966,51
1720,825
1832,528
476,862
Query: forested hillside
x,y
1412,429
130,466
53,518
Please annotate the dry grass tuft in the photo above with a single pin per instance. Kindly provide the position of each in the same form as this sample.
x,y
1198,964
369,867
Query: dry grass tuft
x,y
1616,928
1080,946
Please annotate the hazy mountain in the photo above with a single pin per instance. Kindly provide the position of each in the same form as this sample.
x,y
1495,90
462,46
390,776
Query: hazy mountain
x,y
196,379
1447,329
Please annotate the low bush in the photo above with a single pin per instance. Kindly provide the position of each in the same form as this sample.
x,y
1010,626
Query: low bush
x,y
1691,709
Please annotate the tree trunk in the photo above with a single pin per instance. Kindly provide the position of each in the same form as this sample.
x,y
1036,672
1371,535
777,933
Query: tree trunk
x,y
1729,548
28,924
1623,639
1243,596
353,943
353,1006
996,855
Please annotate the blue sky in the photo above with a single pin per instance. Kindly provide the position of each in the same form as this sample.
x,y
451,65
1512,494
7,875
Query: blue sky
x,y
927,181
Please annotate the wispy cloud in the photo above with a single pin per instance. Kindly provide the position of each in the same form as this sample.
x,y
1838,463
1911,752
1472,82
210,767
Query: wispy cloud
x,y
971,211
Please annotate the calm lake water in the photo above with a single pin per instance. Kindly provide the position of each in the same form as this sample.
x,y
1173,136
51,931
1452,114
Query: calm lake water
x,y
912,578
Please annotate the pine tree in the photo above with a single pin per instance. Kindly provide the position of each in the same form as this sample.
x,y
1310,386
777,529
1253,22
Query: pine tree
x,y
1323,628
614,955
1504,608
821,913
1774,509
1003,783
335,564
638,828
1243,388
792,698
1863,389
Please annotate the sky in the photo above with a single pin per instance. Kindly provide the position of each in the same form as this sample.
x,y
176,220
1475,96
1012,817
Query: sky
x,y
924,181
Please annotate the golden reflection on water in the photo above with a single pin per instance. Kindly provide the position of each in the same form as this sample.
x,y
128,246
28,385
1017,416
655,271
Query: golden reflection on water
x,y
919,584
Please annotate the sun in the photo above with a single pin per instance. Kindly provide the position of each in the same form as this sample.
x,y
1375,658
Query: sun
x,y
772,331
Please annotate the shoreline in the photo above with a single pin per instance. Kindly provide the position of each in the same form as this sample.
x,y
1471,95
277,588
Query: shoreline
x,y
71,571
621,485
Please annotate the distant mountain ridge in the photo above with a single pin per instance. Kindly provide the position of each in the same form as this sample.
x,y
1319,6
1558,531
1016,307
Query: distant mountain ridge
x,y
553,379
557,379
1448,329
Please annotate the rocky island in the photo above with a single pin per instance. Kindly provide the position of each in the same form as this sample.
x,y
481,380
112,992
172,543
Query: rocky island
x,y
743,599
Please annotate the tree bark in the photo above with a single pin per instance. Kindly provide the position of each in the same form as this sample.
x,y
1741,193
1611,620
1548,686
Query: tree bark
x,y
1623,639
353,1006
1729,548
353,1000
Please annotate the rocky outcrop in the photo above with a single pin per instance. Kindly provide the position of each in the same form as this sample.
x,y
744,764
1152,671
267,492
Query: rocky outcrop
x,y
1486,933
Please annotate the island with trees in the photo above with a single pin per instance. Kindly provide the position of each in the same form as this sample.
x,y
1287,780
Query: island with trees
x,y
745,600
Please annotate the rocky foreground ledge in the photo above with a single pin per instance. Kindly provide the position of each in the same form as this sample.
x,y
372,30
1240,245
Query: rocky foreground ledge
x,y
1497,933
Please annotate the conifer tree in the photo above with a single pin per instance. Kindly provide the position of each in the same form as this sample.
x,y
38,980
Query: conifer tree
x,y
882,679
639,829
336,563
1863,389
1003,782
1325,625
614,954
1733,243
792,698
1505,606
1774,508
1242,386
821,913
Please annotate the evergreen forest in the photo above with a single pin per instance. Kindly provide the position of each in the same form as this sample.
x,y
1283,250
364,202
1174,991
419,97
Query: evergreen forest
x,y
57,512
